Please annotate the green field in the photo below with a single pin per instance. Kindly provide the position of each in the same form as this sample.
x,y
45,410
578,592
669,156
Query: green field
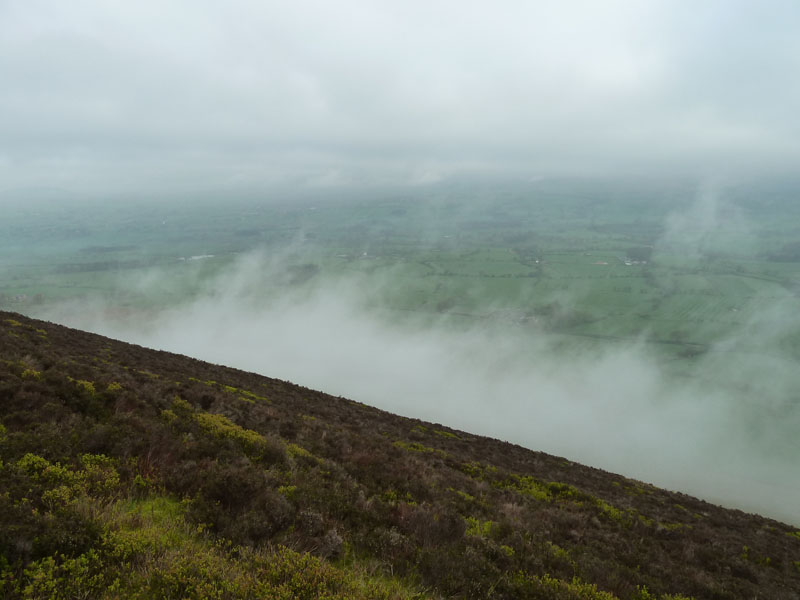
x,y
591,262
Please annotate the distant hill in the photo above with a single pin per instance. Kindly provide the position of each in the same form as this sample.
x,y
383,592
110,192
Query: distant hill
x,y
129,472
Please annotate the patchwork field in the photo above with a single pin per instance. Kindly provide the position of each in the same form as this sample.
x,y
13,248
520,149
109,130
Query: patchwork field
x,y
584,261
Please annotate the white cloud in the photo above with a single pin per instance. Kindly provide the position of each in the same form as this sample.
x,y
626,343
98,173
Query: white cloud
x,y
556,87
731,443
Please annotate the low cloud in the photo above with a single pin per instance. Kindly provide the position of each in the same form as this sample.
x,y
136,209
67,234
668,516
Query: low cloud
x,y
731,441
116,99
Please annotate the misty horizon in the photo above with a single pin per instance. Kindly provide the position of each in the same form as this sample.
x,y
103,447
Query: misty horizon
x,y
119,100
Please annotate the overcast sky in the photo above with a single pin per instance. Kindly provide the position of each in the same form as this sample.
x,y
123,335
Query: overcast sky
x,y
110,95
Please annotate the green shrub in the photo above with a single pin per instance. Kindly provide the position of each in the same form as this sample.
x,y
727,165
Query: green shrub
x,y
31,374
59,578
86,386
223,427
546,586
478,528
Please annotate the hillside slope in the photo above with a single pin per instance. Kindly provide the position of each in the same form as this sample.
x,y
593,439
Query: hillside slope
x,y
128,472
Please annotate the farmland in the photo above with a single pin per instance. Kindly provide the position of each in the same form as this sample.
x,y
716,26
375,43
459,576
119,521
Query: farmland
x,y
588,262
650,330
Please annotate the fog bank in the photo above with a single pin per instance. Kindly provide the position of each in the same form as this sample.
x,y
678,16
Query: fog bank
x,y
617,410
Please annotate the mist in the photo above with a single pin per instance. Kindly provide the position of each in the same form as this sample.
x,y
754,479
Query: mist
x,y
731,441
129,106
115,100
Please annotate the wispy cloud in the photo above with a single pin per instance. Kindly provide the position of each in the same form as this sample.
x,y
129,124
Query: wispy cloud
x,y
618,409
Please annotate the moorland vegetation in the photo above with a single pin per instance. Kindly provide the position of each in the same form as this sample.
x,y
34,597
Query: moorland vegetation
x,y
134,473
